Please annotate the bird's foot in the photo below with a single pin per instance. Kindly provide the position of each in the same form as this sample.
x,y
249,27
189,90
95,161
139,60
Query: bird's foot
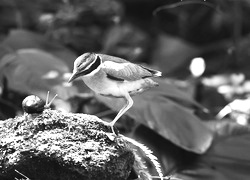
x,y
113,130
112,135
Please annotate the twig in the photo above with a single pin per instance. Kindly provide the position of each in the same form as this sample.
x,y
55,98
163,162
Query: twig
x,y
26,178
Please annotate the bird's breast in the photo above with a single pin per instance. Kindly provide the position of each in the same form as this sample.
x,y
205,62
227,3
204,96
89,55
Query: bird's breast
x,y
100,84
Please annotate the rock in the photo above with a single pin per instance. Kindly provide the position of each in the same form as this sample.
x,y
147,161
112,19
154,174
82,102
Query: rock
x,y
60,146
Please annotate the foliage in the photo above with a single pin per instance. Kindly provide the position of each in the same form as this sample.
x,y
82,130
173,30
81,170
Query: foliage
x,y
159,109
226,159
40,40
148,153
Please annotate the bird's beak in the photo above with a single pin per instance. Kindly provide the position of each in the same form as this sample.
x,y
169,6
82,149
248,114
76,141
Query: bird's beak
x,y
73,77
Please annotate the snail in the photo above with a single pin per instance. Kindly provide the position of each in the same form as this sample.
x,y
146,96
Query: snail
x,y
33,104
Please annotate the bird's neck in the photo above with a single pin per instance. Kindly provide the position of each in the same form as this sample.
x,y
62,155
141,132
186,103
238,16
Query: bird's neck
x,y
95,81
94,72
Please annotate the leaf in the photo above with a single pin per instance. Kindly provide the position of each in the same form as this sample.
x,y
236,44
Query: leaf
x,y
126,41
23,39
33,71
171,6
148,152
228,158
174,122
168,90
171,53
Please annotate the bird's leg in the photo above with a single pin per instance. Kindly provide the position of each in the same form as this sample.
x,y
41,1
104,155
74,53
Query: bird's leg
x,y
126,107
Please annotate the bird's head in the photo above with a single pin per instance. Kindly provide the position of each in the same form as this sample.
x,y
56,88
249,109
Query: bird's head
x,y
84,65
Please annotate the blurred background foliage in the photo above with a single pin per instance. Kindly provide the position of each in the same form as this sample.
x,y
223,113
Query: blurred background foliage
x,y
196,121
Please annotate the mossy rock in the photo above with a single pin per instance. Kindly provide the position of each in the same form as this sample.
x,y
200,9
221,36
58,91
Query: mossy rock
x,y
62,146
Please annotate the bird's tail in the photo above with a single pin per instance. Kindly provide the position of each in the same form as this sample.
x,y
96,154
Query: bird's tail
x,y
149,83
146,84
155,73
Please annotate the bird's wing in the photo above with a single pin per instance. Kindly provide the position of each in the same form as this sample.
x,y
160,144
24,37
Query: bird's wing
x,y
125,70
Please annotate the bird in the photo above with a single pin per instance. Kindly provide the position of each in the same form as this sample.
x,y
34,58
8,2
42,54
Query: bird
x,y
113,77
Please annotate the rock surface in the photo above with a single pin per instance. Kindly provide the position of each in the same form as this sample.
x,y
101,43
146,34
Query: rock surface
x,y
62,146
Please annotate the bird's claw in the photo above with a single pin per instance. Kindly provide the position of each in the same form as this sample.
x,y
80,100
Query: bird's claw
x,y
112,135
113,130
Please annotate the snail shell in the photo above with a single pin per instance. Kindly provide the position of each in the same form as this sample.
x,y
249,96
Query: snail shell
x,y
33,104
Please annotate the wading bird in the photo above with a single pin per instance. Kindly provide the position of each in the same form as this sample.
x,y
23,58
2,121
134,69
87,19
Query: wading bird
x,y
114,77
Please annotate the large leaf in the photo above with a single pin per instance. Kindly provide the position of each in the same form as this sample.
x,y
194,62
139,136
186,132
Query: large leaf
x,y
169,90
33,71
171,53
127,41
169,119
227,159
22,39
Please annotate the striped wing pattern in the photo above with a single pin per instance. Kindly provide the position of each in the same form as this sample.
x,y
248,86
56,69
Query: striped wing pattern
x,y
122,69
